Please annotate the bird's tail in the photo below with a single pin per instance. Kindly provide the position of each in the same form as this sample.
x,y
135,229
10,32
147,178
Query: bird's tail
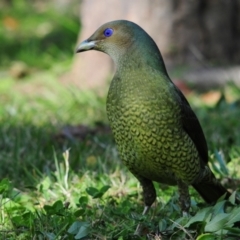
x,y
210,188
211,191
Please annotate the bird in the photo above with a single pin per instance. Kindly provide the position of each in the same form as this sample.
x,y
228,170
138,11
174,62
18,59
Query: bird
x,y
158,136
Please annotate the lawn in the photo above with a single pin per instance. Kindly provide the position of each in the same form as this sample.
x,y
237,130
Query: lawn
x,y
60,175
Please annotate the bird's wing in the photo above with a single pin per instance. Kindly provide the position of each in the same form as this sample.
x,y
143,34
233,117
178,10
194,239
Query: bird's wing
x,y
193,128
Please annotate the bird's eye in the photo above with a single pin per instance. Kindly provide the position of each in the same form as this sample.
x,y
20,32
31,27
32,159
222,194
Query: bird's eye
x,y
108,32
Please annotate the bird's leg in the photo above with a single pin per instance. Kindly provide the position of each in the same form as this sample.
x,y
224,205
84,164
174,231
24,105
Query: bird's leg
x,y
184,197
149,196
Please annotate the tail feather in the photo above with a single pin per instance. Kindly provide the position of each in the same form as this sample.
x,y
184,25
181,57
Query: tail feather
x,y
210,188
211,191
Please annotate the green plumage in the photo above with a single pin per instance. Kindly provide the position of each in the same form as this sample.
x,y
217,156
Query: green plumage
x,y
145,120
158,136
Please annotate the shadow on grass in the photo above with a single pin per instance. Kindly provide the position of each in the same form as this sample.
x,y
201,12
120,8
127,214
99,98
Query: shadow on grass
x,y
28,151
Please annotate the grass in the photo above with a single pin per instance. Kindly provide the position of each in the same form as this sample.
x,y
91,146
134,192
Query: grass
x,y
56,187
61,177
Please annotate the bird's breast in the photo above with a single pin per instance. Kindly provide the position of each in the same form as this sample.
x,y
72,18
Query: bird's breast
x,y
148,132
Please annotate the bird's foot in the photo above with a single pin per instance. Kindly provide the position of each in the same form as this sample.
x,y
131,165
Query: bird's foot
x,y
139,228
145,210
185,214
138,231
184,197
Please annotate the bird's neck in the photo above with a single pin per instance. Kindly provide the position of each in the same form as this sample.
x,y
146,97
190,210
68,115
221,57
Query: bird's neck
x,y
140,74
139,82
137,59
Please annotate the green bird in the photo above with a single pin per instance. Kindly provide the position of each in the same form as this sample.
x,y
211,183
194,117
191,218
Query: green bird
x,y
158,136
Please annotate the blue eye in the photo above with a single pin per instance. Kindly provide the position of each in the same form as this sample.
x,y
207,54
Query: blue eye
x,y
108,32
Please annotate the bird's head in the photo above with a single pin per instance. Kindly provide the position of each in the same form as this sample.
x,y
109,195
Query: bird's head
x,y
121,38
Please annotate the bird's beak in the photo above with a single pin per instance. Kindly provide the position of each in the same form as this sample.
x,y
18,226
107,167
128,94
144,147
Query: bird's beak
x,y
85,46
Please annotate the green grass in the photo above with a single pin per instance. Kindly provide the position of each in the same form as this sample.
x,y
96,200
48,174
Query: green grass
x,y
61,177
54,187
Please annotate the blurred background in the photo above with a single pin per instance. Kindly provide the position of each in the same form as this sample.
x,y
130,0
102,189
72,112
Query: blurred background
x,y
52,101
199,40
36,35
51,96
